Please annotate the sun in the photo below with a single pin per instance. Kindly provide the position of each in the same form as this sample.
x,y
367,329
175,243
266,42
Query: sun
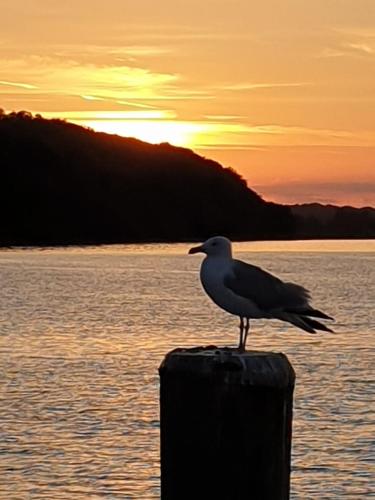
x,y
153,131
157,126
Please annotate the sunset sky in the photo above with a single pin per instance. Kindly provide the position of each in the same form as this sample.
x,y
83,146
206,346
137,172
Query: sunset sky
x,y
282,91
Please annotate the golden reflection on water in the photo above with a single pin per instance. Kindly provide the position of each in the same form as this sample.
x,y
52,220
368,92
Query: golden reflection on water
x,y
357,246
83,331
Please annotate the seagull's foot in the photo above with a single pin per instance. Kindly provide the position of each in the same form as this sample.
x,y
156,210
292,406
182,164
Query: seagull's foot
x,y
246,333
242,331
241,347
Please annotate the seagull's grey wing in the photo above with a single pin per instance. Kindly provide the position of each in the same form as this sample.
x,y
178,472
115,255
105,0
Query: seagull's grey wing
x,y
267,291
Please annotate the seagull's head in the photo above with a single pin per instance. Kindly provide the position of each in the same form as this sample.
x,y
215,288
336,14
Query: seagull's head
x,y
216,246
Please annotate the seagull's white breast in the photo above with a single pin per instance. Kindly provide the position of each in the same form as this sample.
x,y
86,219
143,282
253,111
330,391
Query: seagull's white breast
x,y
212,274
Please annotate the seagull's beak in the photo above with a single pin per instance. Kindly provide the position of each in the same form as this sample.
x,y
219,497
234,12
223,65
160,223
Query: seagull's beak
x,y
196,249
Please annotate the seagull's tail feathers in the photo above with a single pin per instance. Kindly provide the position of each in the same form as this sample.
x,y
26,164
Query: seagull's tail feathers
x,y
307,324
295,320
309,311
317,325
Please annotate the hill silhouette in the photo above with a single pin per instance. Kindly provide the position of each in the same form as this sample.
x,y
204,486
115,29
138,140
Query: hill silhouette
x,y
64,184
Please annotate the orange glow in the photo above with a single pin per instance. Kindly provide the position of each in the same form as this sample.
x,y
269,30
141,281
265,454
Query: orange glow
x,y
280,91
176,133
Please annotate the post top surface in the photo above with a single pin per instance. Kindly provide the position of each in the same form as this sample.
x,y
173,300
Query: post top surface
x,y
213,350
245,367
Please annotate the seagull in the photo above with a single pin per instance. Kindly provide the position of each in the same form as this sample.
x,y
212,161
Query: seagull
x,y
248,291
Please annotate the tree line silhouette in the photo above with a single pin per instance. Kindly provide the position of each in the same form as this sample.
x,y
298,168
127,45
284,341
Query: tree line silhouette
x,y
61,183
65,184
316,221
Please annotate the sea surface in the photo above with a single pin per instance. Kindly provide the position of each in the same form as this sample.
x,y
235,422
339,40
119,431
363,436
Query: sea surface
x,y
84,330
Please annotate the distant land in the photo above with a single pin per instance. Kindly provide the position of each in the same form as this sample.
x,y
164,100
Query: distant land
x,y
314,220
63,184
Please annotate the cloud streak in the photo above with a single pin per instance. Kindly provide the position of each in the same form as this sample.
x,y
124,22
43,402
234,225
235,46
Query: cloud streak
x,y
55,76
239,135
350,43
27,86
119,116
266,85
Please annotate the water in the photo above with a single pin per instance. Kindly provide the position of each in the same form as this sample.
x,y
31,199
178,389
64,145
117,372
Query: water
x,y
83,331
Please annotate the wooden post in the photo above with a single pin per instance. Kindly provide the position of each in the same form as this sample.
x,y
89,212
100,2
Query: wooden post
x,y
225,424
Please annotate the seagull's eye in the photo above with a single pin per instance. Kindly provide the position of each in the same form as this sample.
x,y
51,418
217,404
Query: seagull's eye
x,y
214,244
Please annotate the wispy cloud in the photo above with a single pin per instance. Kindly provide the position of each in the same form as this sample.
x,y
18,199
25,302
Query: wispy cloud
x,y
350,43
92,98
361,48
136,104
223,117
57,76
115,115
180,32
263,85
331,52
348,50
27,86
142,50
242,135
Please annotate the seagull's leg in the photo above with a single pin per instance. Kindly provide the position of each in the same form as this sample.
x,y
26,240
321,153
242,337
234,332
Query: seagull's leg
x,y
241,332
247,328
